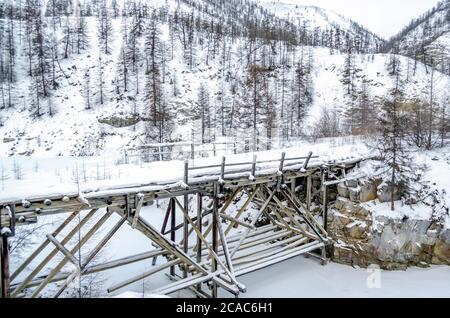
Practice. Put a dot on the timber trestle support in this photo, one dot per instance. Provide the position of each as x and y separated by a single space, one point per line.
237 218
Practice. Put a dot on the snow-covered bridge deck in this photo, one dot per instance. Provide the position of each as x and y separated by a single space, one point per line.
218 244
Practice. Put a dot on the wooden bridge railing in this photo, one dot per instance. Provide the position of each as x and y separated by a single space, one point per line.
226 245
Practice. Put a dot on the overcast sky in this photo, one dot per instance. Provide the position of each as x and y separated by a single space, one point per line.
384 17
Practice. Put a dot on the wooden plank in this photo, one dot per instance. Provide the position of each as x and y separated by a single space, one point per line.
139 277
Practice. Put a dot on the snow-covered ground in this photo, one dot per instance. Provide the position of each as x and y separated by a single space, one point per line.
68 175
304 278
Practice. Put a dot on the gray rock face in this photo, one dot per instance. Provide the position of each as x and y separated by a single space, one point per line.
368 191
120 122
359 190
384 194
354 194
391 243
442 249
343 190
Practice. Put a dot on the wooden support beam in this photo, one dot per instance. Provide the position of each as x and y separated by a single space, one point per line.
63 262
65 251
310 224
244 236
99 268
289 244
170 246
139 277
243 208
199 293
223 210
186 208
306 211
4 264
164 226
52 254
199 241
172 227
91 256
212 249
43 245
139 203
308 192
278 258
236 221
214 238
183 284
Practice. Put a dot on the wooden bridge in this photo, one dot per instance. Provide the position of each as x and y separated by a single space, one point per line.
210 249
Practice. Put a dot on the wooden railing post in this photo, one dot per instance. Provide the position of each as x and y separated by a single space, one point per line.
4 267
214 237
172 228
186 209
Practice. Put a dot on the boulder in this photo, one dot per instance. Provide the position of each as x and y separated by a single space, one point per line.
441 255
121 122
343 190
357 230
352 183
354 194
368 191
384 194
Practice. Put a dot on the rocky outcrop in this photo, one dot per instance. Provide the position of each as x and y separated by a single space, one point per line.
8 140
363 239
441 252
363 190
120 122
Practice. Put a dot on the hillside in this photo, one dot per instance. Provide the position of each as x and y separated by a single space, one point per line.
90 80
427 38
320 19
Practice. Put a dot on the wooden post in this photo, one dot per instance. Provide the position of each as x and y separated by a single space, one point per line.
325 201
199 226
280 170
186 208
172 228
308 192
214 237
305 164
5 267
214 149
222 169
192 151
254 166
293 184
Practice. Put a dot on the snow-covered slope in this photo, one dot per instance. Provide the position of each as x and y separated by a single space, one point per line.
222 61
427 38
319 18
